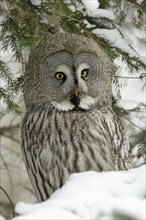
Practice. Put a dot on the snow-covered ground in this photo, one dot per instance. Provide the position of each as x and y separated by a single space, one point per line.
93 195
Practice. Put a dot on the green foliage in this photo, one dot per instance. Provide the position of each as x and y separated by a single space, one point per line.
26 24
11 87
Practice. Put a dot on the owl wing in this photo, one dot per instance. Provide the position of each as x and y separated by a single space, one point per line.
121 145
37 154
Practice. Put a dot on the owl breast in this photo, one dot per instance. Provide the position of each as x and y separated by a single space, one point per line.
56 144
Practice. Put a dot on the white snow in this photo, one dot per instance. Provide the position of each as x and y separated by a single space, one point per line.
103 13
36 2
140 2
122 41
135 93
93 10
93 195
91 5
113 36
70 6
2 218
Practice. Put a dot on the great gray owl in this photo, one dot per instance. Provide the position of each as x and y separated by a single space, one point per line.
69 125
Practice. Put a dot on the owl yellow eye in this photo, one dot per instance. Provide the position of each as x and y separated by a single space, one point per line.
60 76
84 73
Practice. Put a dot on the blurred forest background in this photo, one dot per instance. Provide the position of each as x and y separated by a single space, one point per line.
117 26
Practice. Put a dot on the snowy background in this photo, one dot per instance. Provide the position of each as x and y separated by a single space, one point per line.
90 195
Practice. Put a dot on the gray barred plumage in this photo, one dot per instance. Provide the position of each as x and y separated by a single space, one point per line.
70 126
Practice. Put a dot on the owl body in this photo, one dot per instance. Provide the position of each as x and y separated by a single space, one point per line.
69 125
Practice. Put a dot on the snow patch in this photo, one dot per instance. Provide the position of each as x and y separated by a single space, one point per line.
91 6
103 13
140 2
84 195
93 10
114 37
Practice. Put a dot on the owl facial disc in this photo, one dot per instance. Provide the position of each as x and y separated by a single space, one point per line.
73 84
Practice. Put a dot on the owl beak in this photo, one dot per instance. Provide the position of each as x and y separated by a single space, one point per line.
75 100
76 93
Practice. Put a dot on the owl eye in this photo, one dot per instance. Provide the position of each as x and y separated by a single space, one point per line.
60 76
84 73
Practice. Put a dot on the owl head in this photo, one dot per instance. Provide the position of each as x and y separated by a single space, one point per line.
68 72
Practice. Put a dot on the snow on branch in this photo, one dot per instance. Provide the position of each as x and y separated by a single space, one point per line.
115 38
103 24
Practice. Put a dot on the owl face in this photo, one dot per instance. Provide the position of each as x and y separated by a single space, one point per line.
72 81
68 72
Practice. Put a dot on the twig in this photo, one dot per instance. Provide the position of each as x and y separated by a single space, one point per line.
129 77
13 211
8 128
134 124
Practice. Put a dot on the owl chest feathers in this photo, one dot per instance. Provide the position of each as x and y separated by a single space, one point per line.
56 144
82 141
